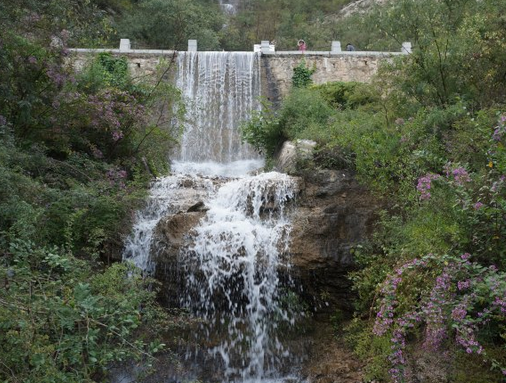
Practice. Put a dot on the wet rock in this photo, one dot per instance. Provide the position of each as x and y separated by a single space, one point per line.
334 213
199 206
172 235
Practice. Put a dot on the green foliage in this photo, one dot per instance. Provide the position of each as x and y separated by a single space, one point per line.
302 110
63 322
347 95
74 156
263 131
283 21
67 21
169 24
373 350
106 70
458 50
302 75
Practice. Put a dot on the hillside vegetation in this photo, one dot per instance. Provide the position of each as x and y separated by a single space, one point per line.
428 136
77 152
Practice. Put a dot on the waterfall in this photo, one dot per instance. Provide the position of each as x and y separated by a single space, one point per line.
221 89
229 7
232 262
232 273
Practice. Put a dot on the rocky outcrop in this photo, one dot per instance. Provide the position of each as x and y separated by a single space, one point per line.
172 235
292 153
334 213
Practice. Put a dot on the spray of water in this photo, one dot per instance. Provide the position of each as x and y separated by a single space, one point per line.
232 270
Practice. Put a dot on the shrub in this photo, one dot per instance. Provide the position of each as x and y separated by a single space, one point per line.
61 321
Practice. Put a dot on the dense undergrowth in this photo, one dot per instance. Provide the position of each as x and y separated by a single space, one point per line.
428 137
77 151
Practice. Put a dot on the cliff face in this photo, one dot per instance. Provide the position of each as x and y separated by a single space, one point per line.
333 214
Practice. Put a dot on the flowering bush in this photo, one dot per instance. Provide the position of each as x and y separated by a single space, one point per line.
463 298
449 300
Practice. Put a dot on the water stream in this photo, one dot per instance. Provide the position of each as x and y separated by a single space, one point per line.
236 266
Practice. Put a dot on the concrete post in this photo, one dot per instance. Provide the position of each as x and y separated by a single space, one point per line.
192 45
124 45
336 47
406 47
264 46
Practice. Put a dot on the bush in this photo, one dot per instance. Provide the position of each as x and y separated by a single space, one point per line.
62 321
344 95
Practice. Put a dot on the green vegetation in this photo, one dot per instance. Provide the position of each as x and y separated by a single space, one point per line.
168 24
428 137
285 22
76 154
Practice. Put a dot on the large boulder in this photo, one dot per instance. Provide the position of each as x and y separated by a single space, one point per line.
334 213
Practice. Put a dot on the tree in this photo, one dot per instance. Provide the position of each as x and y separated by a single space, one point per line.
169 24
458 49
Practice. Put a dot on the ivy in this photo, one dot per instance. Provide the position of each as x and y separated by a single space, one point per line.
302 75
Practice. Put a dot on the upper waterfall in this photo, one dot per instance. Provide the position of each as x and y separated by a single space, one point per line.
220 89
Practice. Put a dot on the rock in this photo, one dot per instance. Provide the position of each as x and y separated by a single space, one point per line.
199 206
334 213
292 153
172 235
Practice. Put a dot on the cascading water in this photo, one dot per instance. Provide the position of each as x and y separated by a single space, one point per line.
232 263
221 89
229 7
233 269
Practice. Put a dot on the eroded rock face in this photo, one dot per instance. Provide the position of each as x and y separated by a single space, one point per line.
334 213
172 235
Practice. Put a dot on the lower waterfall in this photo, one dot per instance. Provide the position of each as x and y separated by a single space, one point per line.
232 269
235 267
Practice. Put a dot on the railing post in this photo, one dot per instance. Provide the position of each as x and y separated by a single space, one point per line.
264 46
406 47
336 47
192 45
124 45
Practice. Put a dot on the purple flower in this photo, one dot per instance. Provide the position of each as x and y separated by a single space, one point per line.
3 120
459 313
460 175
478 205
117 135
425 184
463 285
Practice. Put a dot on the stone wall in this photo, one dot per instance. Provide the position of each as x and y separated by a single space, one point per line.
346 66
142 63
277 67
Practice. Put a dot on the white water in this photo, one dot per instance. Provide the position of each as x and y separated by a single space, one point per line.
233 273
232 266
220 89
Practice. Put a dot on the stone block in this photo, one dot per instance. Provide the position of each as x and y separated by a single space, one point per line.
124 45
192 45
336 47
